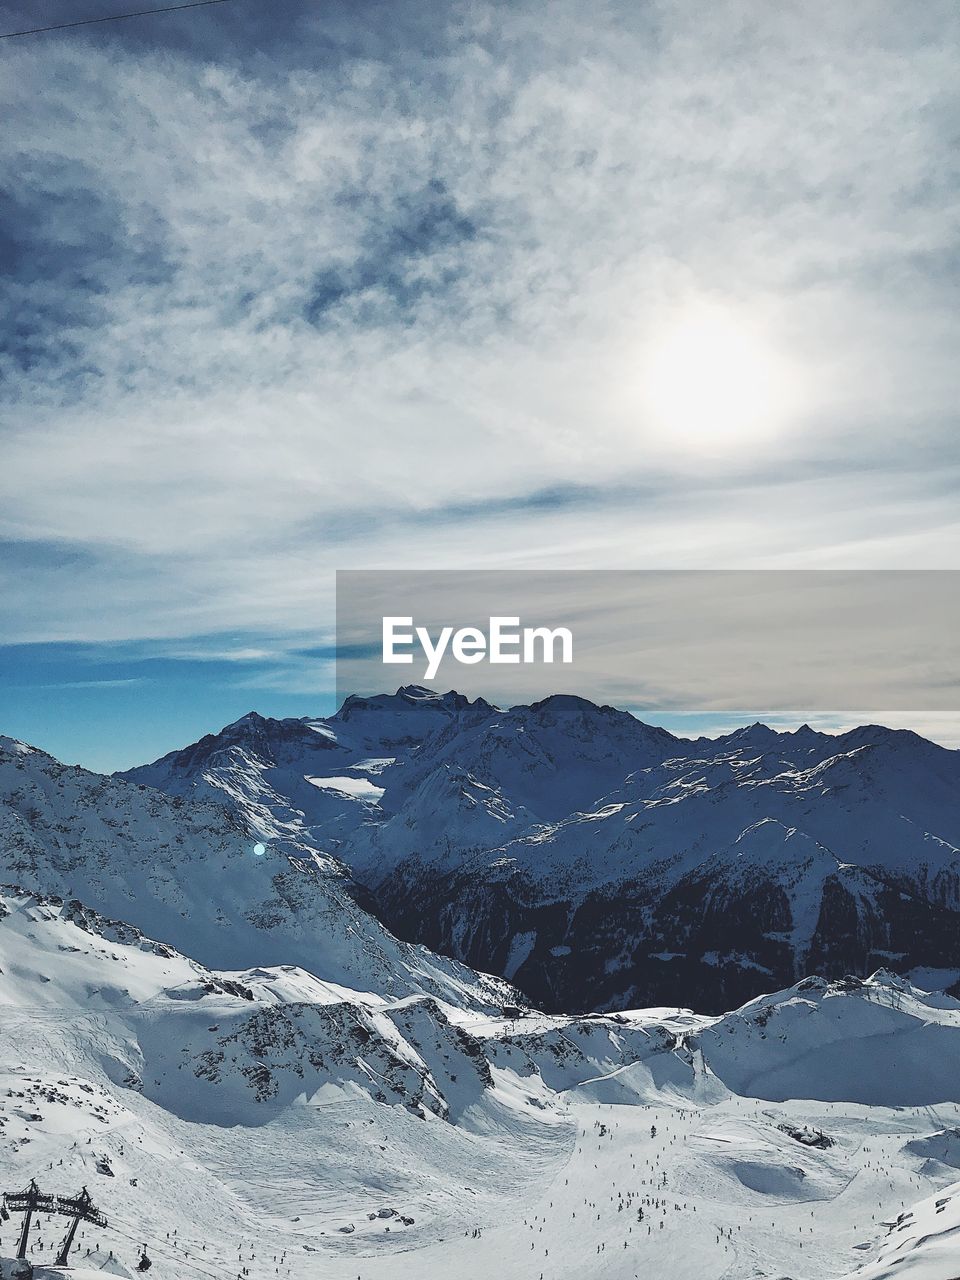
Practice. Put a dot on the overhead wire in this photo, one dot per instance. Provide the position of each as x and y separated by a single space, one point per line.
113 17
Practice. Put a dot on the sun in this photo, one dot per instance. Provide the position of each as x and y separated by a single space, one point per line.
712 380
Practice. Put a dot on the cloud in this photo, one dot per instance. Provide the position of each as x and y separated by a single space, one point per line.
90 684
372 286
415 256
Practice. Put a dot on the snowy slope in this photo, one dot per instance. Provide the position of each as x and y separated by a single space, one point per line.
599 862
132 1069
221 1046
186 872
272 1121
921 1243
312 780
797 1043
252 1075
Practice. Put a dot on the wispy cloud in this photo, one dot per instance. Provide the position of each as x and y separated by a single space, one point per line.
90 684
379 294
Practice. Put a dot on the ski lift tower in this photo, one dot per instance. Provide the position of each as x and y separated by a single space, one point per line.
28 1202
82 1209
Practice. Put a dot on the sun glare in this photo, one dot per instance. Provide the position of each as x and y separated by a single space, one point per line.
711 380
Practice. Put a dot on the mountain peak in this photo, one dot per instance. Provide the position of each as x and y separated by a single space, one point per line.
252 717
420 693
13 746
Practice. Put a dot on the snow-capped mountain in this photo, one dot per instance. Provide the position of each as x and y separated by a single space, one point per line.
598 862
188 872
252 1076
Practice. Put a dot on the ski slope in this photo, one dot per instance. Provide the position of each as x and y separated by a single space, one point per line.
342 1133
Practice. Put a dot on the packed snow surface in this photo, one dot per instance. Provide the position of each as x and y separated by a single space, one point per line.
269 1120
361 788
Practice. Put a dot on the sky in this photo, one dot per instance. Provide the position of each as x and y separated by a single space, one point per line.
295 287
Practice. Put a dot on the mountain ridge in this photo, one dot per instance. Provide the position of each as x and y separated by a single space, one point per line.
569 846
333 1100
186 870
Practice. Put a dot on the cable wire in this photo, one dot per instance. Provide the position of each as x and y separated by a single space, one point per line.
115 17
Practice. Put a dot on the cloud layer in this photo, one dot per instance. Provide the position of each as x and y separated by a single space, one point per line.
373 286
